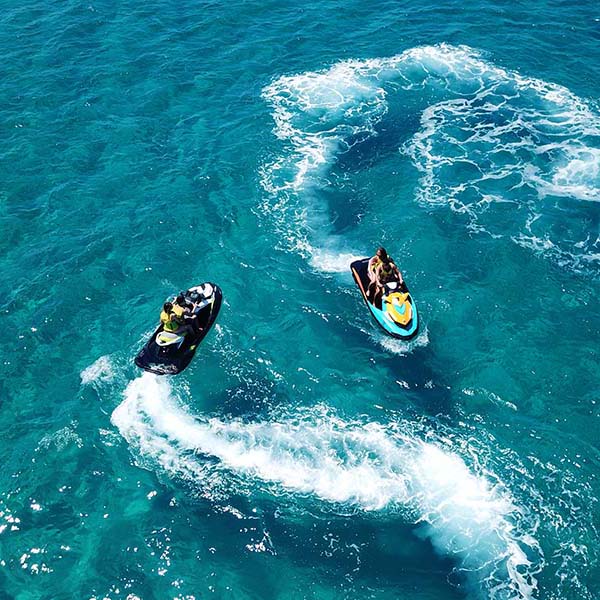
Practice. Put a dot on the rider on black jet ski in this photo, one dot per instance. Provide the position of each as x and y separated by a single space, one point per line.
178 317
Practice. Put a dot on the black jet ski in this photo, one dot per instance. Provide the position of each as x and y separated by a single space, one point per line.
397 315
168 353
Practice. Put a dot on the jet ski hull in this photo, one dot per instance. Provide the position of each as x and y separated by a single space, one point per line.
172 359
383 316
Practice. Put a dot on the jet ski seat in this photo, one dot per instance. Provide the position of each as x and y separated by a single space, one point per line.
168 338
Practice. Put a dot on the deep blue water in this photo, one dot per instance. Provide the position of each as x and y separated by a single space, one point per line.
151 146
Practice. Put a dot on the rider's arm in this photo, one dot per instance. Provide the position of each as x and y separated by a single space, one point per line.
399 274
370 270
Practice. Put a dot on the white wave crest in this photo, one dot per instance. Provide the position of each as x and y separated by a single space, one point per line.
367 465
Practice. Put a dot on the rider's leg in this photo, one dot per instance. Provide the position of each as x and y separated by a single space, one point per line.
377 296
371 289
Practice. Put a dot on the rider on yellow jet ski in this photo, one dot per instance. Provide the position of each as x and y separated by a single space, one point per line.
381 270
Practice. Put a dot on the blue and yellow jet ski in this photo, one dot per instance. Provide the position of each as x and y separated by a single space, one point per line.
168 353
397 315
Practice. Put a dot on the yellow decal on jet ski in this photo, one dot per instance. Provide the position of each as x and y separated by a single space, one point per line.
398 307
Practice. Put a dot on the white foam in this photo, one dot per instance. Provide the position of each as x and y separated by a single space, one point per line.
365 464
579 177
331 261
100 370
400 347
486 126
316 115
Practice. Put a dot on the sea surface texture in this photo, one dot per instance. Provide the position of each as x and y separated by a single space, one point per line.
149 146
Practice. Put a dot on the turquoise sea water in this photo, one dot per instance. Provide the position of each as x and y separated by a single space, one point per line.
150 146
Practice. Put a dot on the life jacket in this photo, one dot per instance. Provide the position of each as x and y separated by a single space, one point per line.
387 274
178 311
169 324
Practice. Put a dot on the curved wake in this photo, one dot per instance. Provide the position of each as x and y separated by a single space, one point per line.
366 465
509 152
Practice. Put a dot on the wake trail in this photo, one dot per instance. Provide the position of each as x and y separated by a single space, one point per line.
493 145
367 465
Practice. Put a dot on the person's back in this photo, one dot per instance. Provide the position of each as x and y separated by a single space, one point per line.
387 271
375 262
372 268
168 318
